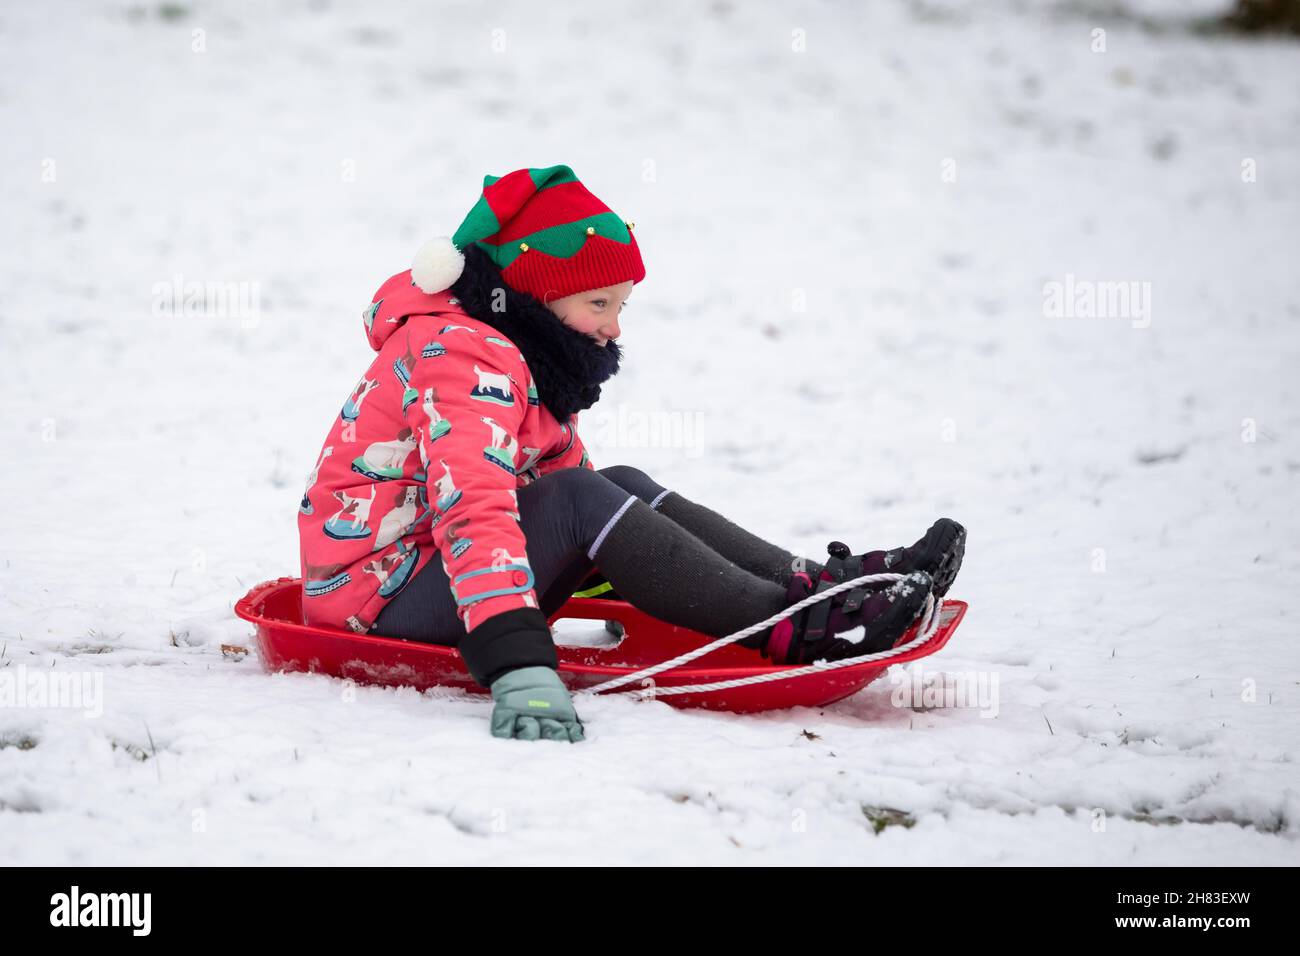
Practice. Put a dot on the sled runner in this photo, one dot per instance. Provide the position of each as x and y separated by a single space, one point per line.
286 644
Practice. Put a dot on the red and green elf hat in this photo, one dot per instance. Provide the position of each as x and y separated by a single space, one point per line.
548 234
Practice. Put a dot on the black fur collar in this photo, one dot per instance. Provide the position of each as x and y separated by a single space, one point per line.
567 365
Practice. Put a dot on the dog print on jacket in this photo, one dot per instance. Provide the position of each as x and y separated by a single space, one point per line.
423 462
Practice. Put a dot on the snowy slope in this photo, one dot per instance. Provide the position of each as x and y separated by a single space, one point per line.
867 226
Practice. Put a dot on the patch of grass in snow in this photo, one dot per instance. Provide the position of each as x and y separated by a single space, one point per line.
1275 825
136 751
881 817
1142 813
1167 820
20 741
168 12
927 12
1156 456
95 642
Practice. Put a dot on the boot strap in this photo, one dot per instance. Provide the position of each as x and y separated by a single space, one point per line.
817 616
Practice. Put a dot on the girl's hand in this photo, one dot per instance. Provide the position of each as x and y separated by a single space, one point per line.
533 704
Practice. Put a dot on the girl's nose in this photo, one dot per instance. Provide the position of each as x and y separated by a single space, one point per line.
611 331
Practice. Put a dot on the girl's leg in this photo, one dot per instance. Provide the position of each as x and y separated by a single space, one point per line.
751 552
576 518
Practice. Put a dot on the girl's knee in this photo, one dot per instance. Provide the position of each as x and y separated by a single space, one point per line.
571 480
572 486
564 510
632 480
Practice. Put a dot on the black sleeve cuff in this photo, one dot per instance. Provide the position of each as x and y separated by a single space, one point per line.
505 641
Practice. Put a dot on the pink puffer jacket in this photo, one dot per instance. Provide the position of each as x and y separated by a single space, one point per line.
423 460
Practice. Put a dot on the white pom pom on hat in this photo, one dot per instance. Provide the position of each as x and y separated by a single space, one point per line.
437 265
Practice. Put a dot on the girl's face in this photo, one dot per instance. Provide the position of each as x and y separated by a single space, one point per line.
594 312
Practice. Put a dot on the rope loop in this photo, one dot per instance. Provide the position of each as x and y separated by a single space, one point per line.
930 624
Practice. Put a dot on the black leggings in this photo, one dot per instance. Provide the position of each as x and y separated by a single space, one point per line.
670 557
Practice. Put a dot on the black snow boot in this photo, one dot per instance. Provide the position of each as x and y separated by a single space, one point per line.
938 554
885 612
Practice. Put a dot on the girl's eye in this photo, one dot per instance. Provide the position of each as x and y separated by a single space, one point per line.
599 302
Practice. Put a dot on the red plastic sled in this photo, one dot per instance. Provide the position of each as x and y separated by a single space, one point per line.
286 644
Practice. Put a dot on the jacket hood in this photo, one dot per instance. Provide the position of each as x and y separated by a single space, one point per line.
397 300
566 365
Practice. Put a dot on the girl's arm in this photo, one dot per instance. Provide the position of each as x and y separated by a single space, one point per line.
467 411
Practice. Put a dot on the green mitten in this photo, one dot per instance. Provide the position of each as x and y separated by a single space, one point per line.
531 704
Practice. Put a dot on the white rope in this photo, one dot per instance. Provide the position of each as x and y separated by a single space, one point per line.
930 624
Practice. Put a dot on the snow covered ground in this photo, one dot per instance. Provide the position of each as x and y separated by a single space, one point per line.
859 222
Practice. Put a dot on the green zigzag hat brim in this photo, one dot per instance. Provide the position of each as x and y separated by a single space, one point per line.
562 241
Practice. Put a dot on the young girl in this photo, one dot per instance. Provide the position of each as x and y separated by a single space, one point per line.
459 442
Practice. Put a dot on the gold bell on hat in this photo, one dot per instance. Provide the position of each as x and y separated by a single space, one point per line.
631 225
523 247
591 230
